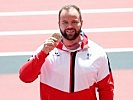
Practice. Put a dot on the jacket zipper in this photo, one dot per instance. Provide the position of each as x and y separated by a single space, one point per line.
72 71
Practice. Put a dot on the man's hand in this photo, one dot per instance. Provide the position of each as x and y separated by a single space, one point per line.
51 43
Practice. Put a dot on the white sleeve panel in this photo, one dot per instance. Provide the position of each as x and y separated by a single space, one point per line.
103 69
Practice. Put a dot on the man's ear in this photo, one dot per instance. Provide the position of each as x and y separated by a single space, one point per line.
81 21
59 23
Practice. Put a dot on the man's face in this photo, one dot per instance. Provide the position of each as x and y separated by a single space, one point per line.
70 24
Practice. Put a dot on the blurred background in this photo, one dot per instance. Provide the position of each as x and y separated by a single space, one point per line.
25 24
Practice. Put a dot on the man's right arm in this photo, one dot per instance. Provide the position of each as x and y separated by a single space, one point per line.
31 69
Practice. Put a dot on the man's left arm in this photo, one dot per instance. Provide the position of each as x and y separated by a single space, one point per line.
105 84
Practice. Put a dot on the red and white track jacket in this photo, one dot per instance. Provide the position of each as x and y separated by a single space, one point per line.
71 74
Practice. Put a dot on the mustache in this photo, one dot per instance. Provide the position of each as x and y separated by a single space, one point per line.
70 29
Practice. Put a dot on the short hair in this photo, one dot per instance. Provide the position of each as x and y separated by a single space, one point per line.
67 7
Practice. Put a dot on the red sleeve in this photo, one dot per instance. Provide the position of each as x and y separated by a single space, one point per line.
31 69
106 88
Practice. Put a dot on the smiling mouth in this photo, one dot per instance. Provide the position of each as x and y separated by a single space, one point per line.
69 31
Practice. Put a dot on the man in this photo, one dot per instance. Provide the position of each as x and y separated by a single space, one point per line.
72 67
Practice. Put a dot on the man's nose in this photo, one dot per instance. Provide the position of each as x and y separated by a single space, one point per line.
69 25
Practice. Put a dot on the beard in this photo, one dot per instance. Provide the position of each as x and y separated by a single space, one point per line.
69 36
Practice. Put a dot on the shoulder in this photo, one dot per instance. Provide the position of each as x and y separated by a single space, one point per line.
95 48
95 45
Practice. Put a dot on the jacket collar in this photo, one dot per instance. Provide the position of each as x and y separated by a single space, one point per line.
83 44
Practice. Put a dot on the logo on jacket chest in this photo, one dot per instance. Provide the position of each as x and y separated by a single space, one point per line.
88 55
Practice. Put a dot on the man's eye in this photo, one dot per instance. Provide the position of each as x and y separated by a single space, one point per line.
64 23
75 22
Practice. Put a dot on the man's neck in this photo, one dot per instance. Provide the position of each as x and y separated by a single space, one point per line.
72 45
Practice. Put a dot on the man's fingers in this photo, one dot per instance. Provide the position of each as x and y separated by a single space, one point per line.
57 36
50 44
